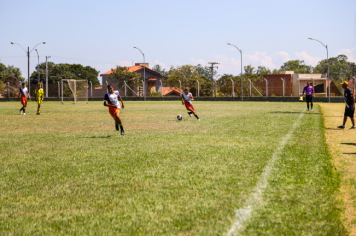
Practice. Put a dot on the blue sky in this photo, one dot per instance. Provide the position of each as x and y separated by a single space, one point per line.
102 34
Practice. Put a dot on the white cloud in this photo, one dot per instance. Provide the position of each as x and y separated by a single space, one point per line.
282 56
309 60
350 53
156 62
259 59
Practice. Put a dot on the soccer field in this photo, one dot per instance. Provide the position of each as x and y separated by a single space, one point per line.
251 168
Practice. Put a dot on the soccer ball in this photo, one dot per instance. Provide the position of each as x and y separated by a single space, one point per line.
179 117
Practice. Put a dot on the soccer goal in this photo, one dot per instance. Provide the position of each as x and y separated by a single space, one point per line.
74 90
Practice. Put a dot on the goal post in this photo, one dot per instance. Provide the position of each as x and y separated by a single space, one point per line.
74 90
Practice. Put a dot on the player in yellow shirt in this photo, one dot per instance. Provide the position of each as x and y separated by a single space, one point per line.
39 94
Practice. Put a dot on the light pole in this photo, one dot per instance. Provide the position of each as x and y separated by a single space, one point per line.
242 85
28 60
327 56
144 74
38 66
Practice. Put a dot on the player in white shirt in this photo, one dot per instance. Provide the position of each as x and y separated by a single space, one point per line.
111 100
187 99
23 94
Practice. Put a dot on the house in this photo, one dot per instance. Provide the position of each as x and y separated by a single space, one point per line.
153 81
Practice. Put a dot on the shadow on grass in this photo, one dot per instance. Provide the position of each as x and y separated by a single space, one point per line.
351 153
333 129
295 112
109 136
352 144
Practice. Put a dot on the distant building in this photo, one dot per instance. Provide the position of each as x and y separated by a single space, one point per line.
153 81
272 85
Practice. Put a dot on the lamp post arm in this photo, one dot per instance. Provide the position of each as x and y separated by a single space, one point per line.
35 47
20 46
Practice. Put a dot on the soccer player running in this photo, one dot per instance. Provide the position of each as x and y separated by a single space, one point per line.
309 91
23 94
349 105
187 99
39 95
111 100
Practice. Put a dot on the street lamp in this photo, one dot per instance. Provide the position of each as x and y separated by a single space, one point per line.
327 56
28 60
38 66
144 74
242 85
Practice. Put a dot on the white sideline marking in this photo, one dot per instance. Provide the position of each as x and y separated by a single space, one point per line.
255 200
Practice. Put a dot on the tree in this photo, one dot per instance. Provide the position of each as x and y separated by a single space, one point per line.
57 72
298 66
187 74
339 68
158 68
262 70
120 75
205 71
249 70
10 71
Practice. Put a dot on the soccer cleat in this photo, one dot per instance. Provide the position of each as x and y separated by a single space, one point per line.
20 112
38 113
353 127
198 119
341 127
117 127
311 110
24 114
122 132
190 115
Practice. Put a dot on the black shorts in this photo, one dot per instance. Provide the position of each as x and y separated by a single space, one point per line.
309 98
349 112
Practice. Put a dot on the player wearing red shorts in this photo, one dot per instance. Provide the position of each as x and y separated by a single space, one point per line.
23 94
187 99
111 100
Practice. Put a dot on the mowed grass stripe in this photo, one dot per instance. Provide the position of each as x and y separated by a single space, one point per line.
69 172
301 196
255 200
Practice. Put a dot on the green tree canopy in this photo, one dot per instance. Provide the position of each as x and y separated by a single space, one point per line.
56 72
13 71
298 66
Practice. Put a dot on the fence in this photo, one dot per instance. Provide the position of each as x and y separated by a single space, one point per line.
265 88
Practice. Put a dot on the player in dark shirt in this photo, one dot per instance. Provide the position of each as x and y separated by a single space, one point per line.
349 105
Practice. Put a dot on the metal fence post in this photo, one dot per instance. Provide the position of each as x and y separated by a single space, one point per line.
59 90
250 88
91 89
198 87
266 87
180 88
283 86
298 87
125 88
232 83
161 88
8 90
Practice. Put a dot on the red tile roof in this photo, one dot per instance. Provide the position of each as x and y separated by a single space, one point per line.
136 69
169 90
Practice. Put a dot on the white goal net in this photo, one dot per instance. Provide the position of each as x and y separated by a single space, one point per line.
74 90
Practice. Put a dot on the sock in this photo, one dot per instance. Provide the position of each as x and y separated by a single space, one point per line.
308 107
122 127
24 110
311 106
21 109
190 112
196 116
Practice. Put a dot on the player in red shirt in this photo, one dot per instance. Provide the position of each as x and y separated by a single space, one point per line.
23 94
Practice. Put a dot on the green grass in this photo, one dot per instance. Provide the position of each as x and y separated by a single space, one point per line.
69 171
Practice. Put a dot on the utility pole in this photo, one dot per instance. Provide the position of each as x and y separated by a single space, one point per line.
47 75
212 74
